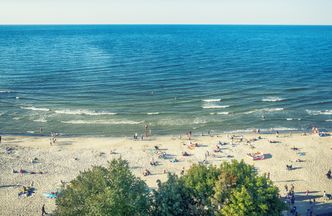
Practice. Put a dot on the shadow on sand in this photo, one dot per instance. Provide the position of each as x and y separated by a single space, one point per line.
320 208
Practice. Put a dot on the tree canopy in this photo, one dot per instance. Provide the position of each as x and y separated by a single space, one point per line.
229 189
105 191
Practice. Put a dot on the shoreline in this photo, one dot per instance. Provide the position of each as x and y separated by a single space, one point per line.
69 155
205 133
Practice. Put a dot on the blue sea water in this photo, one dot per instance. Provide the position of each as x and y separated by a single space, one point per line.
112 79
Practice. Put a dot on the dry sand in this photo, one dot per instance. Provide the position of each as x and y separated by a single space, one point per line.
70 155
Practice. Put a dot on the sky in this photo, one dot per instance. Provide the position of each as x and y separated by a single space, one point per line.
300 12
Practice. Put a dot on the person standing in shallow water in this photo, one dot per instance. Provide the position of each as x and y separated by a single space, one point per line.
146 126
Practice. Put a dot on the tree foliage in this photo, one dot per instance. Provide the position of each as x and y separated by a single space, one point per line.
200 181
172 198
105 191
231 189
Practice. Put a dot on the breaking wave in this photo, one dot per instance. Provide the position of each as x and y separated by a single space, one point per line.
272 99
102 122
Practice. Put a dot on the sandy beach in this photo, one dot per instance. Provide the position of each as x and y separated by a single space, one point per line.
69 155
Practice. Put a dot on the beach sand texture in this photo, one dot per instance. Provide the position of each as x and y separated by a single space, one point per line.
70 155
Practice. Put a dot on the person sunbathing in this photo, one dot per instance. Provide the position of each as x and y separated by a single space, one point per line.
185 153
289 167
299 160
146 172
153 162
174 160
329 174
294 148
217 149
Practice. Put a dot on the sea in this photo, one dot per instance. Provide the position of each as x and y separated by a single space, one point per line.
111 80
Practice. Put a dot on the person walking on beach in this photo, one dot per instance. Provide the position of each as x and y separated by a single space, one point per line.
0 139
43 210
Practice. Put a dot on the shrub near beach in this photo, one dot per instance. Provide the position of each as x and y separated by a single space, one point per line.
230 189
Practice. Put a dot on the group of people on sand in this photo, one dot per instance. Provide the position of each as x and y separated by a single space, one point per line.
26 191
315 130
147 132
53 138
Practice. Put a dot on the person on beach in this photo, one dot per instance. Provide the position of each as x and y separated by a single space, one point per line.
146 172
182 171
286 188
328 174
146 126
0 139
189 135
43 210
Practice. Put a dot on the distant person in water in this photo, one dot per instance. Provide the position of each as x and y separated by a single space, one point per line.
146 126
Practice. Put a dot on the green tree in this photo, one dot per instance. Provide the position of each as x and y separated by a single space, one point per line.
241 203
105 191
232 175
239 189
200 181
172 198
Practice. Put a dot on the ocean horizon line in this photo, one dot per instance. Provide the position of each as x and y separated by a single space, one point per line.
158 24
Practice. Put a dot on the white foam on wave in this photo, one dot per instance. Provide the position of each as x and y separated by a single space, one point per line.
212 100
291 119
319 112
272 99
102 122
42 120
31 132
5 91
219 113
280 129
153 113
82 112
215 106
199 121
180 121
36 108
329 120
265 110
272 109
16 118
269 130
